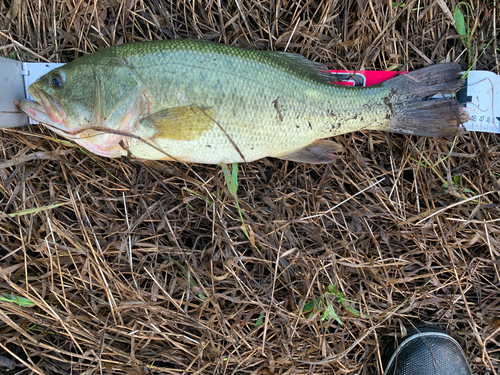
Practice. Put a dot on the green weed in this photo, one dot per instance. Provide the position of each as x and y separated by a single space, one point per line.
232 184
260 320
21 301
462 27
329 311
186 200
457 185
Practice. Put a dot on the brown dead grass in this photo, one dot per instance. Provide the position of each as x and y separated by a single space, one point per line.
145 267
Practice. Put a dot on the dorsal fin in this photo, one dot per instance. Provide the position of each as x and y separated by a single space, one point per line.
295 63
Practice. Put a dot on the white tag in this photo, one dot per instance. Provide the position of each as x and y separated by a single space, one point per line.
482 98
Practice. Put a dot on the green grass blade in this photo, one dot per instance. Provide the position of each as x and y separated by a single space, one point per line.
21 301
34 210
231 178
232 184
235 177
208 201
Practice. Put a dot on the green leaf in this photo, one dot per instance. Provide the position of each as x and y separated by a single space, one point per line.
459 20
260 320
332 289
15 55
231 179
232 185
309 306
352 310
21 301
201 296
330 313
235 177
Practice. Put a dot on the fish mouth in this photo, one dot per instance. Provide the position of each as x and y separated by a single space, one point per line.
46 109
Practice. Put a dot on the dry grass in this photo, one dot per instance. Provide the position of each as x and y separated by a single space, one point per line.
144 268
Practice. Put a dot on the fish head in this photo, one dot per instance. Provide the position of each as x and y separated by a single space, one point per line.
90 102
61 99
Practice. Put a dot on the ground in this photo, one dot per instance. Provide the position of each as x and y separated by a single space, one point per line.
132 267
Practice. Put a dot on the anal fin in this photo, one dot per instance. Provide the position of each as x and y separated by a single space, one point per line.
319 152
186 123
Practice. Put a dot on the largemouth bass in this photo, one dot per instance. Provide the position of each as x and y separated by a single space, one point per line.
204 102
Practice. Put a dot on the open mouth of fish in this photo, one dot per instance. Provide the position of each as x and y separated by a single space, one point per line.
48 110
45 109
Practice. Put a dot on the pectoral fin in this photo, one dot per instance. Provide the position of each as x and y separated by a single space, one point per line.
187 123
319 152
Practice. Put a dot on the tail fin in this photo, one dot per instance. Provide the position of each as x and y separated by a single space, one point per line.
412 110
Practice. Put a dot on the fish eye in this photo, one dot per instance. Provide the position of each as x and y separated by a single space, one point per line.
56 80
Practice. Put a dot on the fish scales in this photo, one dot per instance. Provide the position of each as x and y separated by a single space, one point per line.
264 107
198 101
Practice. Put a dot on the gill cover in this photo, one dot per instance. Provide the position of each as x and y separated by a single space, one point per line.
117 91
